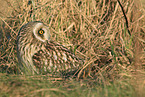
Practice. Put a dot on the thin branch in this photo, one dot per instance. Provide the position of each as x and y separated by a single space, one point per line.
125 17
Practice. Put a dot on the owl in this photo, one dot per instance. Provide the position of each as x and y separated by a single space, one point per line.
37 53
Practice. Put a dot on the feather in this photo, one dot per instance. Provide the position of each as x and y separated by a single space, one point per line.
55 57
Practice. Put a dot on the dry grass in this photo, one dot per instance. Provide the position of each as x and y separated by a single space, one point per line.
93 29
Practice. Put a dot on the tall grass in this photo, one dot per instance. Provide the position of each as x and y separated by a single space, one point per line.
94 30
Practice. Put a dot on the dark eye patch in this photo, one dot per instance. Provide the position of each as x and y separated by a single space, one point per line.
41 32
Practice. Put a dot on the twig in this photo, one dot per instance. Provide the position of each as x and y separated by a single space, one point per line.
8 25
125 17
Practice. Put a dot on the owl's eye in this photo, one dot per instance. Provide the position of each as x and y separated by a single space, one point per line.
41 32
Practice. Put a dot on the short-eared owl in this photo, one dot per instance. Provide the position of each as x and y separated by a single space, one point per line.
37 53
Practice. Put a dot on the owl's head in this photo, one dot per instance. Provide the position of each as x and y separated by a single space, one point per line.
31 38
35 31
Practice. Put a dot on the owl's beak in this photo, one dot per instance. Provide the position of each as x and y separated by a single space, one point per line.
48 38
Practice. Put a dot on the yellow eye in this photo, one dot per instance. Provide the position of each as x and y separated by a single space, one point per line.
41 31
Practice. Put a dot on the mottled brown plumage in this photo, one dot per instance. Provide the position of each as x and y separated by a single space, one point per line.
37 53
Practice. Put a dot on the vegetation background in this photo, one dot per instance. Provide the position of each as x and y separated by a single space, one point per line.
95 30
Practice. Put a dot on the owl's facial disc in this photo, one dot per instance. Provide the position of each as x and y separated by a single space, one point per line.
41 32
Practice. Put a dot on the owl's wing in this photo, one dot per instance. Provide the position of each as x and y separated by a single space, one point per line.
55 57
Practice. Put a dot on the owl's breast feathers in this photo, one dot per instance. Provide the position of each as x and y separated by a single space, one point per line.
55 57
